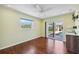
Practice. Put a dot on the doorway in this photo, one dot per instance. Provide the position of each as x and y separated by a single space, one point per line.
54 30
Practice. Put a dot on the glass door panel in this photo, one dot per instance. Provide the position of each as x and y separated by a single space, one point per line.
55 30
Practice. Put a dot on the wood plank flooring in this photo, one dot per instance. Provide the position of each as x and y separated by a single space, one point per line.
37 46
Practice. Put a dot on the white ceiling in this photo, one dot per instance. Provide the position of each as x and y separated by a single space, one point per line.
44 10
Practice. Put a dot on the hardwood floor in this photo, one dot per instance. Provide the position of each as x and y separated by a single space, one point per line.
37 46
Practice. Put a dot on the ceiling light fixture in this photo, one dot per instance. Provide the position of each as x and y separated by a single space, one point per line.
39 8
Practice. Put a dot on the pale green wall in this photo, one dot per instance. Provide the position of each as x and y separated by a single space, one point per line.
68 22
12 33
1 27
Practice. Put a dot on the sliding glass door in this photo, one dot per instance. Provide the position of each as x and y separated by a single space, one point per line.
54 30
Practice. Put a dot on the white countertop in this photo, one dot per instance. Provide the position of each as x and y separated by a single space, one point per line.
72 34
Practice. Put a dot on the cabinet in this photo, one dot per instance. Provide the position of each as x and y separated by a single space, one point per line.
72 43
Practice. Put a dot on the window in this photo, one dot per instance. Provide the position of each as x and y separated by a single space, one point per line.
26 23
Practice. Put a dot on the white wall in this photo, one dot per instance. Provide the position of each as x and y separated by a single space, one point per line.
77 24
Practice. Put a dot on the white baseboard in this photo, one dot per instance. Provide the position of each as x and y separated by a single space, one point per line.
15 44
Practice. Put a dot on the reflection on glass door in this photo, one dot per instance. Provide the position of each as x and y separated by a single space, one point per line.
55 30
